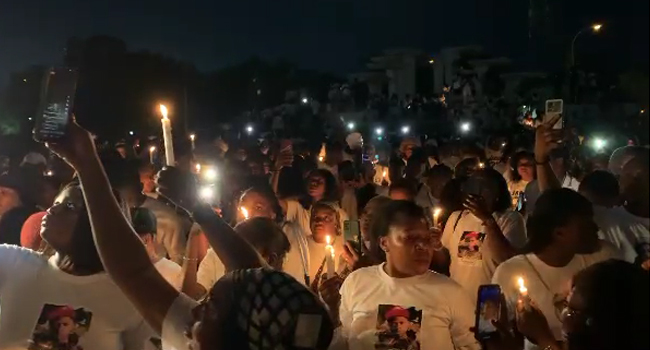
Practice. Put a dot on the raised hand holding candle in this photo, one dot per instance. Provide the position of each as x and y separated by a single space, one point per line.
329 259
167 136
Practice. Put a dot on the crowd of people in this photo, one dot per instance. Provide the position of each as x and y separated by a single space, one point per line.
352 246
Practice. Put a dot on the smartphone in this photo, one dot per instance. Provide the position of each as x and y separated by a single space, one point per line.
521 202
554 108
488 308
57 99
352 230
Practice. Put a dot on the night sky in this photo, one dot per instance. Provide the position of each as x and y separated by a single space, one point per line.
324 34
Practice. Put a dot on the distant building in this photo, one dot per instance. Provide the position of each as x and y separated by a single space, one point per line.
395 72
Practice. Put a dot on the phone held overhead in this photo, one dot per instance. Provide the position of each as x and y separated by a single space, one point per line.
56 104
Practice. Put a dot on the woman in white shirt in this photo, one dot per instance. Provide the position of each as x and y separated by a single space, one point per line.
483 235
522 172
35 288
400 304
222 321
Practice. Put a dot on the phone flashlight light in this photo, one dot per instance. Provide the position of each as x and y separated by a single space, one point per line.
210 174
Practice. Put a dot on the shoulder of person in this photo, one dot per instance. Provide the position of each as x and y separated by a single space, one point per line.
509 216
11 255
442 281
506 269
607 251
362 275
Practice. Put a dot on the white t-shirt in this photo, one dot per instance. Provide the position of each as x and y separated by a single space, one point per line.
37 299
551 300
471 264
532 190
429 310
170 270
627 232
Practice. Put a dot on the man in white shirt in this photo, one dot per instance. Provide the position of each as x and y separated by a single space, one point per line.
625 231
562 240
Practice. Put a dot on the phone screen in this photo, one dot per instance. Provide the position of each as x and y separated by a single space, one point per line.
553 108
57 100
488 309
351 230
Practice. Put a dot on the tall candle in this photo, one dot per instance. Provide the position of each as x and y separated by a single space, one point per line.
192 138
167 137
152 149
329 259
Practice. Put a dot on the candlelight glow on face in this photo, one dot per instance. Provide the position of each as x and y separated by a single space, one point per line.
163 111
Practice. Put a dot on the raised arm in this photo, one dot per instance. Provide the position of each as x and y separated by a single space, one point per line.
122 253
546 140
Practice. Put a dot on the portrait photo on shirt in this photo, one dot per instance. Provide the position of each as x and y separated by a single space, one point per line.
60 327
398 328
469 246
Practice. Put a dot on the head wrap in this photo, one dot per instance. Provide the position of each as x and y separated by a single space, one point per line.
274 311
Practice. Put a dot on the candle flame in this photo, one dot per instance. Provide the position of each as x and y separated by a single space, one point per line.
436 212
152 149
383 174
198 167
328 240
320 159
164 111
192 137
522 287
244 212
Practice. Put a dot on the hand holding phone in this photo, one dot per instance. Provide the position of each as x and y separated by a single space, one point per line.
57 100
554 108
488 310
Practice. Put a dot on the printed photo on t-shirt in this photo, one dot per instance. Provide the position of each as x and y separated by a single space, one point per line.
398 328
60 327
469 246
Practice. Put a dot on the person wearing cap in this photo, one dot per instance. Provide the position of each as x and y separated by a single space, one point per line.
229 317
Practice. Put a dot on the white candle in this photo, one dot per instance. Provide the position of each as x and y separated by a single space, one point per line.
167 137
152 149
436 215
523 293
192 138
329 259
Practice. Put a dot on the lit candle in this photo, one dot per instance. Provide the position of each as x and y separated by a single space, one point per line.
383 175
192 138
481 165
320 159
244 212
523 293
197 167
329 258
152 149
167 136
436 215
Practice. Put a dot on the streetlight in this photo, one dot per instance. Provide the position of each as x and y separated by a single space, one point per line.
305 100
596 27
465 127
406 129
379 131
249 129
131 133
350 126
